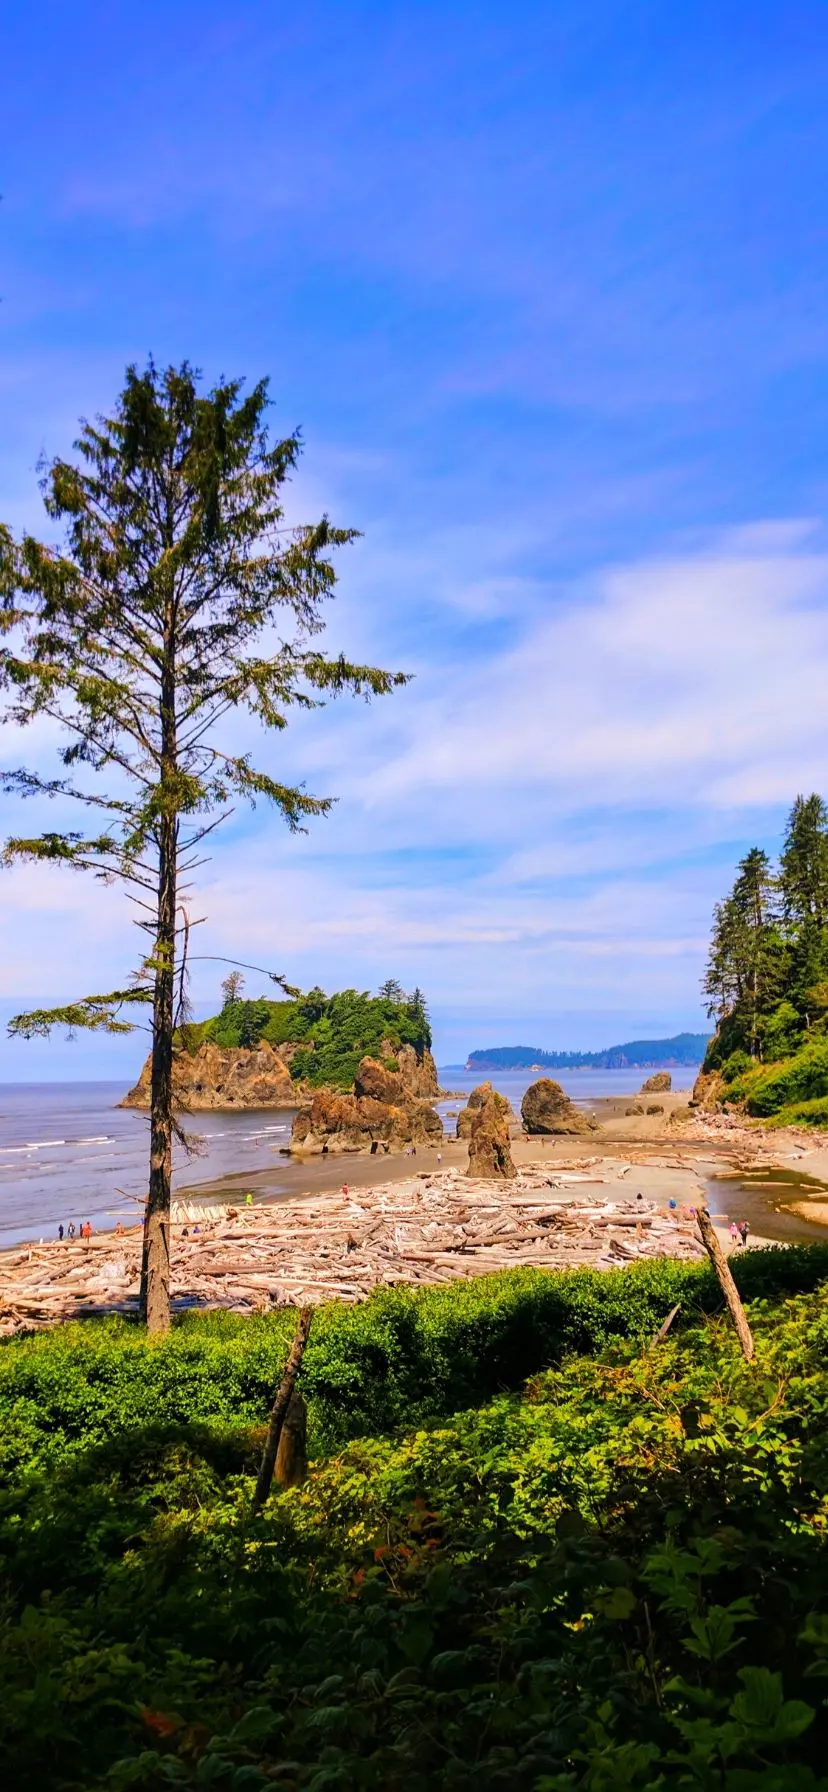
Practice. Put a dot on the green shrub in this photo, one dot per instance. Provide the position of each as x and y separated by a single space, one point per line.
802 1113
736 1065
803 1078
616 1583
402 1358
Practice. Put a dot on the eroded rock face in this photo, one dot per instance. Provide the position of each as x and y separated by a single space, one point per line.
489 1153
374 1080
419 1074
477 1099
333 1122
546 1109
660 1084
223 1077
708 1089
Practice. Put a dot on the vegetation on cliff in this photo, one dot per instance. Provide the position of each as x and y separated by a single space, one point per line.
615 1576
331 1034
767 976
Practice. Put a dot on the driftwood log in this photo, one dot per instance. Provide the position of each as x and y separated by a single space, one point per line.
281 1407
429 1228
726 1283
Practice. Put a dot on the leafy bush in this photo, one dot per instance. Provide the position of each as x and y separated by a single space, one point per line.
798 1079
402 1358
780 1032
736 1065
802 1113
617 1583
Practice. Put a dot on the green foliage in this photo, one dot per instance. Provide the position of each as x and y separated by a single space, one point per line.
767 976
798 1079
779 1033
802 1113
736 1065
403 1357
616 1582
748 959
332 1032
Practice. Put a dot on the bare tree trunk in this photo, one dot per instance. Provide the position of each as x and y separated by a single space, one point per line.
279 1409
155 1272
726 1282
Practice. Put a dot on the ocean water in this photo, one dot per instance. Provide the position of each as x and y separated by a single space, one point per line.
68 1152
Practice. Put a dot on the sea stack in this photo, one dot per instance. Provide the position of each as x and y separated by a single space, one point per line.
545 1108
489 1153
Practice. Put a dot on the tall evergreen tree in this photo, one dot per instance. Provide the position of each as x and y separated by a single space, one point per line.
803 864
391 990
745 975
803 878
177 598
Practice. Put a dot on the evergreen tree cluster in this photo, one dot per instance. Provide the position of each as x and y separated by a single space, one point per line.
330 1034
766 981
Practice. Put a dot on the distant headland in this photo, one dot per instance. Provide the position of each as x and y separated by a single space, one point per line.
637 1054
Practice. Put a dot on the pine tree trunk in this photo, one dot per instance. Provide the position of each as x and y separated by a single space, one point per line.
155 1272
155 1278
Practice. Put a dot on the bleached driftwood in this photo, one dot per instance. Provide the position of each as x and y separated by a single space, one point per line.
430 1228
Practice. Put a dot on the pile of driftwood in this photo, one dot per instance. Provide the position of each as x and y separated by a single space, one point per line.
427 1229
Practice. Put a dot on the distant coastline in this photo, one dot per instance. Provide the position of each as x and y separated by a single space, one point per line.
635 1054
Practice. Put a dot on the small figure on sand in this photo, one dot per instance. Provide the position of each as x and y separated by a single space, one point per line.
744 1229
71 1229
60 1232
734 1232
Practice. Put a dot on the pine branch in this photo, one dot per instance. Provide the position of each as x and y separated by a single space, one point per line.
93 1013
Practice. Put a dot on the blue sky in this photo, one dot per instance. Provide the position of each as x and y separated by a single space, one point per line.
545 288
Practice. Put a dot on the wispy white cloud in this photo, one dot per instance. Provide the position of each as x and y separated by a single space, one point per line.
550 823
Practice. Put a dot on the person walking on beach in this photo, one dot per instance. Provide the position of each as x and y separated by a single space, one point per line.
744 1229
60 1233
734 1232
71 1229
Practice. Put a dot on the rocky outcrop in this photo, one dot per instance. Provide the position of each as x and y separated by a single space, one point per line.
708 1090
660 1084
223 1077
374 1080
546 1109
379 1115
489 1153
417 1069
477 1099
217 1077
